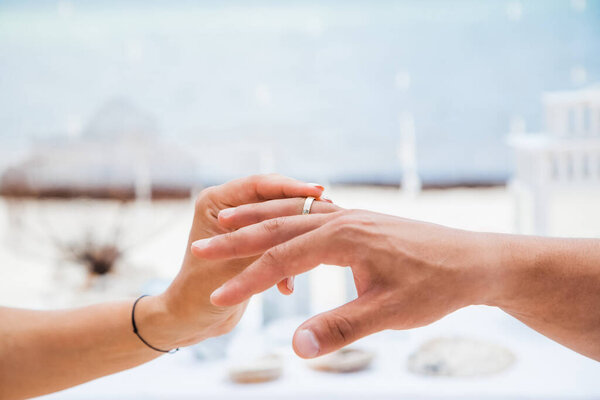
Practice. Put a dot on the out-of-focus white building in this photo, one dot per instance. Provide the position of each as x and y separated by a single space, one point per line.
118 153
565 157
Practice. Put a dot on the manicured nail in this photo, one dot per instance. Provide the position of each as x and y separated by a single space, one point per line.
306 344
290 283
317 186
327 199
217 292
226 213
201 244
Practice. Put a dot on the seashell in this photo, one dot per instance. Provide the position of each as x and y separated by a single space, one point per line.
459 357
263 369
343 360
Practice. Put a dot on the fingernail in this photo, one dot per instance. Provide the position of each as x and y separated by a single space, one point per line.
290 283
306 344
226 213
217 292
327 199
317 186
201 244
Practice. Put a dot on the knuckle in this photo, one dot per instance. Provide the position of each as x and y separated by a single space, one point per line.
339 328
336 234
273 265
351 212
355 222
344 227
354 216
273 225
346 218
204 196
348 232
229 239
270 258
256 181
257 178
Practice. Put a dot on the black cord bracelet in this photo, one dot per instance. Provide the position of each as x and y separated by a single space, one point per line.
135 329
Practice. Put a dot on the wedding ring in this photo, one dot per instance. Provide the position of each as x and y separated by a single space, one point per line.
307 205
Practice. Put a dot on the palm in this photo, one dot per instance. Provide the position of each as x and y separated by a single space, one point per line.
198 278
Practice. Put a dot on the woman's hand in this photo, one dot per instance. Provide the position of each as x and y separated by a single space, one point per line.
50 350
409 274
184 315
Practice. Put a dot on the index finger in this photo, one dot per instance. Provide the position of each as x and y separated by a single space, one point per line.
255 239
290 258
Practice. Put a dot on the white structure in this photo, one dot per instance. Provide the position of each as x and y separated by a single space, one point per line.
565 157
120 147
407 153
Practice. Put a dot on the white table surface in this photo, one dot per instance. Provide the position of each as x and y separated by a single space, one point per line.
543 370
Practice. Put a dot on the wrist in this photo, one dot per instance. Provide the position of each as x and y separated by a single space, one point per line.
487 260
157 324
509 266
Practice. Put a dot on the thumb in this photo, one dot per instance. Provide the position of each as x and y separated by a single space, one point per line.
337 328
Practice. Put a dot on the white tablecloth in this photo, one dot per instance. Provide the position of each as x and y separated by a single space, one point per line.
543 370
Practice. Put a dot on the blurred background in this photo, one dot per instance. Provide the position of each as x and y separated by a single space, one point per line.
482 115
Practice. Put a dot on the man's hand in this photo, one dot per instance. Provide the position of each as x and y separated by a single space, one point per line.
184 315
409 273
403 280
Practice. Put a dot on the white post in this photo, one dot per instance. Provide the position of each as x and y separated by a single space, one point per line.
595 120
540 211
407 152
541 194
516 187
550 118
143 181
594 165
562 166
579 119
578 167
561 119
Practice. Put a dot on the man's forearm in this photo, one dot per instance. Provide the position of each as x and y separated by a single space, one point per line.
46 351
552 285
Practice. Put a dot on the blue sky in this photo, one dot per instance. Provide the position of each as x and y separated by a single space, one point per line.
323 82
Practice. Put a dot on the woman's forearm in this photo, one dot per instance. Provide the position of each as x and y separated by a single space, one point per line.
553 286
46 351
